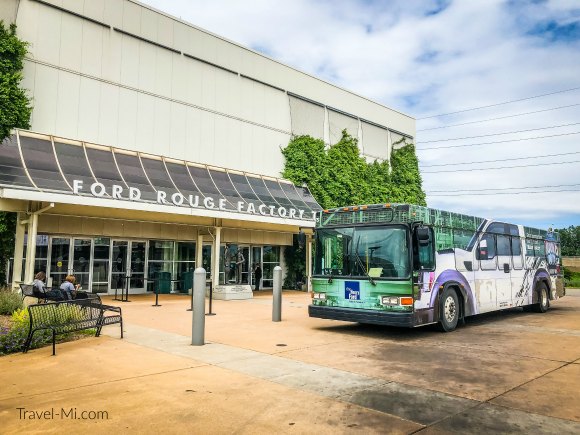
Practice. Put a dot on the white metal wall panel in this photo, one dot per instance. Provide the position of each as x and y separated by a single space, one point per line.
145 124
165 30
112 55
68 105
207 139
45 99
190 150
396 138
179 82
163 62
27 23
177 134
338 122
127 119
72 5
46 45
306 118
132 17
375 141
193 91
113 13
208 86
147 56
94 9
108 114
89 109
71 40
148 24
130 61
276 109
92 49
162 127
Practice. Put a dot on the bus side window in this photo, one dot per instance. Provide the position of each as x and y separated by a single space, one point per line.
486 252
517 262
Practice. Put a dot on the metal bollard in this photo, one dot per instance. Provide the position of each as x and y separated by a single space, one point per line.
198 312
277 293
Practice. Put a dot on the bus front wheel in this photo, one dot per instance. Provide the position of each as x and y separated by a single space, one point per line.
543 300
448 310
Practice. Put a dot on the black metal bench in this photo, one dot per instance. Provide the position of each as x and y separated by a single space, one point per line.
70 316
31 291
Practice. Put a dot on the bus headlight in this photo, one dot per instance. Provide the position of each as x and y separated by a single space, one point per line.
389 300
321 296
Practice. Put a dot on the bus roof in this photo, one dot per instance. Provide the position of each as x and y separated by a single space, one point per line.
407 213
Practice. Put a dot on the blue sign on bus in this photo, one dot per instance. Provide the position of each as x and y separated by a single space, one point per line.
352 290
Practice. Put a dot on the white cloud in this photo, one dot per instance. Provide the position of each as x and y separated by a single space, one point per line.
470 54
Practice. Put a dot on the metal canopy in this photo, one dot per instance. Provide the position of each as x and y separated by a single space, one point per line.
48 164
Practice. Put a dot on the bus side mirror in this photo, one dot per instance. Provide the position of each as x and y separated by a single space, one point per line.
423 236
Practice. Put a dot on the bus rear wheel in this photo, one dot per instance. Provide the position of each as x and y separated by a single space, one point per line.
543 300
448 310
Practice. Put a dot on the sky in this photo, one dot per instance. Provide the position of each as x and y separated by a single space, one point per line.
436 60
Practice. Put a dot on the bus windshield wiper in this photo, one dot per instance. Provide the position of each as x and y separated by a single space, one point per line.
361 264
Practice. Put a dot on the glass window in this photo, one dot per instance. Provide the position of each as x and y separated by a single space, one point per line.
160 250
271 259
185 251
503 245
487 249
380 251
516 246
539 248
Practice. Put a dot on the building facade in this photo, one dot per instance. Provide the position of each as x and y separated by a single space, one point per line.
155 148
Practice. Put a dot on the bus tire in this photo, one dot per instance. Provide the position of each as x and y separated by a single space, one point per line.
448 310
543 300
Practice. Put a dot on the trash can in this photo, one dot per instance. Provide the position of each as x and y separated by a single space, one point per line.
164 282
186 281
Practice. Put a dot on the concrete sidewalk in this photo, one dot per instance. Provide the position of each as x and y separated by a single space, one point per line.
509 372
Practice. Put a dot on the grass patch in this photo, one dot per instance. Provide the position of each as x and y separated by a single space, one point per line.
9 301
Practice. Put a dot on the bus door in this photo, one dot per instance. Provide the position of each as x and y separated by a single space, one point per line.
517 273
503 280
487 273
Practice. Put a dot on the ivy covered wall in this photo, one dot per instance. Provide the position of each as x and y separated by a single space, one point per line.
15 110
338 176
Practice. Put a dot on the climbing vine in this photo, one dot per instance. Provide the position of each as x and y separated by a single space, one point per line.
339 176
15 110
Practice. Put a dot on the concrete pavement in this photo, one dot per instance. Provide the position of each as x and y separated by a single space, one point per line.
508 372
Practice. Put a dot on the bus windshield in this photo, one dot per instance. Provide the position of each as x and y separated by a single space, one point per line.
376 252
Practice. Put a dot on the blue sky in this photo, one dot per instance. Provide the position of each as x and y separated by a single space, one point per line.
432 57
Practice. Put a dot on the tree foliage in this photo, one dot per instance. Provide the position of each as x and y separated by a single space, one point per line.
339 176
15 110
570 241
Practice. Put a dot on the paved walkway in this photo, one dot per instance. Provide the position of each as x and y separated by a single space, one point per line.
508 372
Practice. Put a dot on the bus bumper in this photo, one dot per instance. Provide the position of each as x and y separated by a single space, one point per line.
362 316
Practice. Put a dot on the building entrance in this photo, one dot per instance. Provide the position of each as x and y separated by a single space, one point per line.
128 259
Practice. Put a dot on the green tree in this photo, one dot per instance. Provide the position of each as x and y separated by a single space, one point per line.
570 241
15 110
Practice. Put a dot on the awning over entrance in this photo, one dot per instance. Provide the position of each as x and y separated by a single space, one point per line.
53 166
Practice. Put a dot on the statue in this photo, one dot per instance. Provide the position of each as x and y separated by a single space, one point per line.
239 266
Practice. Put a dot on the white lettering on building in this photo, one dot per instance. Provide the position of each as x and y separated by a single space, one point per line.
99 190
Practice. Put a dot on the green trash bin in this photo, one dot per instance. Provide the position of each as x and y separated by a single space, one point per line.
164 282
186 281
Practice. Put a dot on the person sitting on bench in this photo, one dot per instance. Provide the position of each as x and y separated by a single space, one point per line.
68 287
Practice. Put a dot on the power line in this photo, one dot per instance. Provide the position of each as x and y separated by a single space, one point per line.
501 160
512 193
501 188
500 117
497 141
500 167
498 134
499 104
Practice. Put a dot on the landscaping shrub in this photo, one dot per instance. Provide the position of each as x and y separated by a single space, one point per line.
9 301
12 338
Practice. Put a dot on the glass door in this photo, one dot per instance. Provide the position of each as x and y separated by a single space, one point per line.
81 263
101 261
246 271
206 259
256 260
59 256
119 264
137 265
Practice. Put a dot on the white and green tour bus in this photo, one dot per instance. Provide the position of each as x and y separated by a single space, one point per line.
407 265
